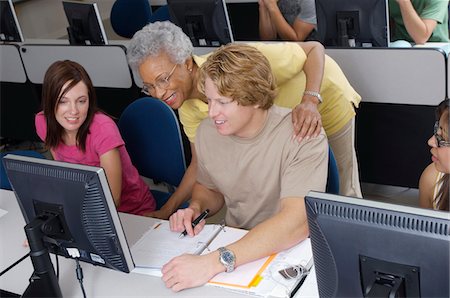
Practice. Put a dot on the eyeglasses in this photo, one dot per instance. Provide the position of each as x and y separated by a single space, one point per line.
439 139
162 82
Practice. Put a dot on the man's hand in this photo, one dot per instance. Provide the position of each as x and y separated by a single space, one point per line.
188 271
182 220
307 120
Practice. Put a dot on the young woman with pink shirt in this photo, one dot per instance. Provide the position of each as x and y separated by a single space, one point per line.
76 131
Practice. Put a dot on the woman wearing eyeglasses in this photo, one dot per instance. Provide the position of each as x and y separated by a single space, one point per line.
434 182
163 56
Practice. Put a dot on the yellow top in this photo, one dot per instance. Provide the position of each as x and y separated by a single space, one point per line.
287 61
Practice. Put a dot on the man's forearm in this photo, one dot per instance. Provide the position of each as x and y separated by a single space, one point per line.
280 232
416 27
266 28
204 198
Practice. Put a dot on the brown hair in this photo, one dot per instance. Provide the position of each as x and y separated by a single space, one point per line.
443 110
58 74
242 73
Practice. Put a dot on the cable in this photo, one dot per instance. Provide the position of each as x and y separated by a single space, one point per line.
57 266
15 263
79 272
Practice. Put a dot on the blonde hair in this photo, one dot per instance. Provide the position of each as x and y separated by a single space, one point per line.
242 73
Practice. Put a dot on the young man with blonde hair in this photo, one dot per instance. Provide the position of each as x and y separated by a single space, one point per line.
248 161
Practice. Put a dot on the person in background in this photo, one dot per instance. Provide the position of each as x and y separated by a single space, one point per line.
291 20
419 21
248 161
163 56
75 131
434 182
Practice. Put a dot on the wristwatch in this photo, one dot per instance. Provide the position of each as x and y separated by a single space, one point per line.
227 258
313 93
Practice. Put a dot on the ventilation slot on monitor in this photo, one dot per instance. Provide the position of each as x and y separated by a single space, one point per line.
22 167
384 217
101 234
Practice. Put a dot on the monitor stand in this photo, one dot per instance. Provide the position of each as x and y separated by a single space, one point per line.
380 278
347 28
43 282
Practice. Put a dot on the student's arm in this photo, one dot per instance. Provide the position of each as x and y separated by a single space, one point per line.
281 231
305 116
426 186
183 191
298 32
267 30
111 163
419 29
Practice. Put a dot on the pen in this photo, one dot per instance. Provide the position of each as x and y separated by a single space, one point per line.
196 222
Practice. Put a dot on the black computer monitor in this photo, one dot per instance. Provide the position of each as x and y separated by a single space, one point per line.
352 23
9 25
365 248
85 24
206 22
71 208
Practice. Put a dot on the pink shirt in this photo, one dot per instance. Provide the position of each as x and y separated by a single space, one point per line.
104 136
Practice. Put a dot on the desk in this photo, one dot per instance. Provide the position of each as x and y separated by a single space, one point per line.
97 281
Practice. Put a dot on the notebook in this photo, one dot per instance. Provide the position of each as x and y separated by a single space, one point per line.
260 278
159 245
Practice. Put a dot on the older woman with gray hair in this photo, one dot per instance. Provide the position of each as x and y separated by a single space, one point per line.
163 56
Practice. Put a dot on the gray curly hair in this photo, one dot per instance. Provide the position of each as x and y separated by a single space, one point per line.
156 37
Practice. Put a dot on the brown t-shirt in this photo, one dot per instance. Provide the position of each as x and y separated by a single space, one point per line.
254 174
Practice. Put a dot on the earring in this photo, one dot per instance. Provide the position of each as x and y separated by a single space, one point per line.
190 69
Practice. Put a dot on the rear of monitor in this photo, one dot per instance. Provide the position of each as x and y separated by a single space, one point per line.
9 25
85 24
206 22
69 211
366 248
350 23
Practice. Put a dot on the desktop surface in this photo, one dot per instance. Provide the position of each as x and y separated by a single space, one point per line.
98 281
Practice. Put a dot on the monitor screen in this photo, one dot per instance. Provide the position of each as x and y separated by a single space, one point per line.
78 203
365 248
350 23
9 25
206 22
85 24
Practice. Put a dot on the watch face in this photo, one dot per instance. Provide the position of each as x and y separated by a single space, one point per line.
227 257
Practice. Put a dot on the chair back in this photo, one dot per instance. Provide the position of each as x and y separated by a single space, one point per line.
152 137
161 14
129 16
4 181
333 174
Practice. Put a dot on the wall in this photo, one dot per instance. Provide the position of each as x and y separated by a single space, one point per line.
45 19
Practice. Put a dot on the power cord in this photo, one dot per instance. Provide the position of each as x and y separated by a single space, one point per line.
79 272
57 266
75 254
14 264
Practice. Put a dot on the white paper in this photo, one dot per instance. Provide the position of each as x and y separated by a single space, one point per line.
159 245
